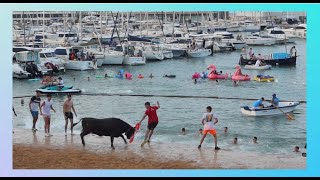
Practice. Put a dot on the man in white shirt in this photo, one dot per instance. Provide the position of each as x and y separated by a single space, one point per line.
209 126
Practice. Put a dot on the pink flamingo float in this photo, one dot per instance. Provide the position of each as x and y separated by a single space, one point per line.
213 73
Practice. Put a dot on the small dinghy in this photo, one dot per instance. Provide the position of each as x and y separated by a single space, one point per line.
266 67
267 111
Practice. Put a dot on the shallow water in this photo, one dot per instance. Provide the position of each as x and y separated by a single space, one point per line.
276 134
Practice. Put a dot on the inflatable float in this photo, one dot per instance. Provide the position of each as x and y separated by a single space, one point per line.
266 67
204 75
120 74
238 76
241 77
196 75
128 75
261 78
140 76
218 76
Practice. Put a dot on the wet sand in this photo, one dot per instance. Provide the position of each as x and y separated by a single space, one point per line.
35 151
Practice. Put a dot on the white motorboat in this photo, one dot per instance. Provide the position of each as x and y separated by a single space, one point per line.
267 111
257 40
50 60
64 52
299 31
228 38
197 53
134 60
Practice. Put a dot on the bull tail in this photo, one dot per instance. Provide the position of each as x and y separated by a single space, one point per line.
74 124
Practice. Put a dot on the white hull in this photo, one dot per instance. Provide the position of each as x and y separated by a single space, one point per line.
113 58
260 41
99 62
168 54
61 92
199 53
284 106
133 61
153 55
266 67
79 65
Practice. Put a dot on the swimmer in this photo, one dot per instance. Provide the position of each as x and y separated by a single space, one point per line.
200 131
255 140
225 130
22 102
88 78
296 149
74 79
195 81
151 76
235 140
183 131
106 76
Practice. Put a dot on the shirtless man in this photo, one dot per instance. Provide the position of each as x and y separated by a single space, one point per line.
67 106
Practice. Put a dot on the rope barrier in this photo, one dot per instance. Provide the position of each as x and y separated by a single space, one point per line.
166 96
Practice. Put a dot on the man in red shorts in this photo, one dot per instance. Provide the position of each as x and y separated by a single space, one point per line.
153 120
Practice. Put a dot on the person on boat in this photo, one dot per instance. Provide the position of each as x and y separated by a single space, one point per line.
67 107
253 57
209 126
203 43
258 103
296 149
244 52
60 83
82 56
275 100
46 108
235 140
34 106
258 63
183 131
153 120
255 140
293 51
250 53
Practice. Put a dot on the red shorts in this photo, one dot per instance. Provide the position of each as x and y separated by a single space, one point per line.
213 132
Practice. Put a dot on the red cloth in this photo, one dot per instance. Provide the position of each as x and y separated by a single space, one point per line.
152 114
136 129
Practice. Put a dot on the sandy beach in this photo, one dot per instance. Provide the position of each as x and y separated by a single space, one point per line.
35 151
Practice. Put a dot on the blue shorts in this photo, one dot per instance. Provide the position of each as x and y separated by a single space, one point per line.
34 113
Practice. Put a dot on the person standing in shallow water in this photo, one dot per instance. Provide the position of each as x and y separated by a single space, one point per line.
46 108
153 120
34 106
209 126
67 107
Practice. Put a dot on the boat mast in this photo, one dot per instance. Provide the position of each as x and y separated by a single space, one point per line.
64 27
147 14
80 24
140 26
128 24
101 25
173 20
24 30
43 36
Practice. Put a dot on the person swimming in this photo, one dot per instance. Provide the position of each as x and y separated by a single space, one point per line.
183 131
151 76
225 130
255 140
296 149
235 140
200 131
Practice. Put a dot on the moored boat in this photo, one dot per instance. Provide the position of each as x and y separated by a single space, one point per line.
199 53
283 59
